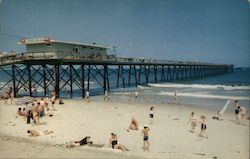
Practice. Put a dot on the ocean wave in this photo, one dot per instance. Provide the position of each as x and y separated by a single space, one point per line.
198 95
199 86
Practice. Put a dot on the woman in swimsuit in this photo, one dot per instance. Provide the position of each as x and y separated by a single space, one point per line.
113 142
203 127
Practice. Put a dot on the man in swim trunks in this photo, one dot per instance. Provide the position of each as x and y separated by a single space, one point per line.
144 133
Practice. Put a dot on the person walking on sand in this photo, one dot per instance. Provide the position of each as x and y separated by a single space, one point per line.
151 115
144 133
203 127
193 121
133 125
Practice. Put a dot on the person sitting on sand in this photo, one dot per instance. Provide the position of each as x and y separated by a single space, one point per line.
113 142
133 125
203 127
193 121
34 133
19 112
144 133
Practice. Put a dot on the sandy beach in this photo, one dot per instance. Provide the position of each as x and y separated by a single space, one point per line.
169 135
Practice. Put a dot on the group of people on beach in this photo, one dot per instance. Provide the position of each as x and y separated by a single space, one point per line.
194 122
37 108
8 95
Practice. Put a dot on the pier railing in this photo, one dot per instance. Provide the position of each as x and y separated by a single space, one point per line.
94 57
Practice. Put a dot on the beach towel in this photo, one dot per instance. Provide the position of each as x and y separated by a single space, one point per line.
224 108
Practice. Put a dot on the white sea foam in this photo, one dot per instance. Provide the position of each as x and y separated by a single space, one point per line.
199 95
199 86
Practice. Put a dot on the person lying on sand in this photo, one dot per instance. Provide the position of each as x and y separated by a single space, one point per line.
34 133
133 125
84 141
113 142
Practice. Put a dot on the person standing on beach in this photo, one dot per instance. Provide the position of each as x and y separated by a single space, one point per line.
53 101
136 95
151 115
11 97
106 96
144 133
193 121
175 97
203 127
236 111
242 114
87 96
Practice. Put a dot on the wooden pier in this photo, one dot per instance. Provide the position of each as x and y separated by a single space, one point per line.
30 72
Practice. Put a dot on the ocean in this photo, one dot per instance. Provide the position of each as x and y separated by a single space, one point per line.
211 92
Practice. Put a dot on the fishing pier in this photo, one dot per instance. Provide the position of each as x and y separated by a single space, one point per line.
61 65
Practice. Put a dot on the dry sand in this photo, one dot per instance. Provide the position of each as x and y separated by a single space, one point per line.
169 135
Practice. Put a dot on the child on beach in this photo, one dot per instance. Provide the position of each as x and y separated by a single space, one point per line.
144 133
203 127
151 115
193 121
133 125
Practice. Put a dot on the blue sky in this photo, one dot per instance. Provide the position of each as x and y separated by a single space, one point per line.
214 31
